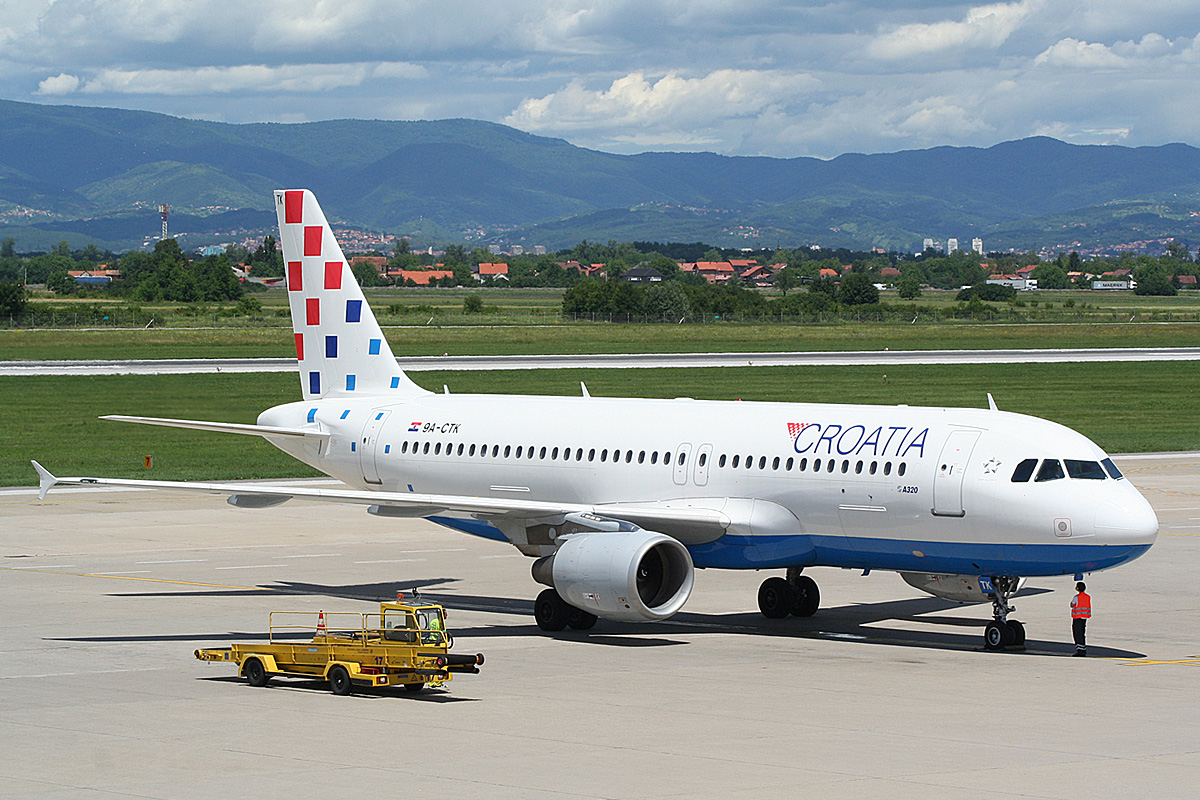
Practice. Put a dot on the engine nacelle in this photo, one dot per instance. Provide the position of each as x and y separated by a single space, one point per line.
628 577
959 588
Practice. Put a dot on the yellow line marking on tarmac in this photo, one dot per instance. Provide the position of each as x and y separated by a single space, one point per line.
1150 663
150 580
1164 533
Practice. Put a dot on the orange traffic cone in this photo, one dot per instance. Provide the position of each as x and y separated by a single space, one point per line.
321 630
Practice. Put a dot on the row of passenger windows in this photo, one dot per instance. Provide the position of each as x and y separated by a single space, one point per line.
642 457
1052 470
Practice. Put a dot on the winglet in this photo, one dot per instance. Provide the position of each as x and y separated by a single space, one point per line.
45 480
991 402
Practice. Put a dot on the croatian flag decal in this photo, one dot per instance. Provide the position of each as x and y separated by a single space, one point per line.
415 426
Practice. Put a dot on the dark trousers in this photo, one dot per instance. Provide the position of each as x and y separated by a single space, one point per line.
1077 631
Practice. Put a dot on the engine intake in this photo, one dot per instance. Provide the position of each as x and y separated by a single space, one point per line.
628 577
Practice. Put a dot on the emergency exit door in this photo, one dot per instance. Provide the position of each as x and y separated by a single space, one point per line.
368 445
951 469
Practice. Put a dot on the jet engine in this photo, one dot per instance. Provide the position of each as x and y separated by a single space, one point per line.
627 576
959 588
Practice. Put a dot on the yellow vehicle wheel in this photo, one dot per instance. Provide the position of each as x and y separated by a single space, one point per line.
256 674
339 681
414 687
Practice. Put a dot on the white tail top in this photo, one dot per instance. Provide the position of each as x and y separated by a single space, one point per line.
339 345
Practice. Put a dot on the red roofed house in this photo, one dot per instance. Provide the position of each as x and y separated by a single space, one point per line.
378 262
828 272
715 271
742 263
494 271
1186 281
421 277
758 275
889 272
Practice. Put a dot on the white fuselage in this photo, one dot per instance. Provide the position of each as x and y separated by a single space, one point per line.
872 487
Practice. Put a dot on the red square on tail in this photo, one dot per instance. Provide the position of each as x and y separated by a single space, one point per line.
312 240
299 346
333 274
312 308
295 279
293 206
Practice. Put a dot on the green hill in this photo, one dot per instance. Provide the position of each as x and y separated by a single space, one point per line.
107 166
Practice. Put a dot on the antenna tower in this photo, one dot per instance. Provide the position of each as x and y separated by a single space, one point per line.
164 209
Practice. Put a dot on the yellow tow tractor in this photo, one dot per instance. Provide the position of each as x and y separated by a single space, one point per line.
405 644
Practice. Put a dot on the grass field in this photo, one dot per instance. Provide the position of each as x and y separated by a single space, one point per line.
1125 407
597 338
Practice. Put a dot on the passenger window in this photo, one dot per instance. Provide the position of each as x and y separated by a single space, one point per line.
460 448
529 451
887 468
667 458
1084 470
1051 471
471 452
1024 470
858 468
703 458
829 465
762 462
542 453
579 454
721 460
874 465
566 454
1112 470
845 466
654 458
404 447
749 462
682 458
816 465
554 454
775 463
592 454
426 450
790 461
507 450
642 458
603 456
803 464
628 456
900 470
736 459
495 450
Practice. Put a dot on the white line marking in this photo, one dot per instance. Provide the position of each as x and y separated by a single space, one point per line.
444 550
74 674
316 555
390 561
127 572
175 561
254 566
506 555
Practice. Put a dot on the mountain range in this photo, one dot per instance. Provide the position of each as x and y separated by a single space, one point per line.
98 174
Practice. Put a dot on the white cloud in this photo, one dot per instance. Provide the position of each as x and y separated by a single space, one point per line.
61 83
984 26
671 101
1076 54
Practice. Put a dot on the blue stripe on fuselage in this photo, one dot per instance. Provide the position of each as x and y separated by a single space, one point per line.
773 552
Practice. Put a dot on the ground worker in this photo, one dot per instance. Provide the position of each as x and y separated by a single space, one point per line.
1081 612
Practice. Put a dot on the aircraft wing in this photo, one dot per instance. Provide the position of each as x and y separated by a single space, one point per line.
221 427
660 517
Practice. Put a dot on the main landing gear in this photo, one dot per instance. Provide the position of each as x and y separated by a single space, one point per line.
797 594
553 613
1003 632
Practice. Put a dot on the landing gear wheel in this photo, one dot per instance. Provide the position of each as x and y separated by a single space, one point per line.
339 681
551 611
998 635
256 674
776 598
806 596
413 688
580 620
1018 632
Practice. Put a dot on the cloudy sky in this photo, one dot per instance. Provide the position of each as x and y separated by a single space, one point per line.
752 77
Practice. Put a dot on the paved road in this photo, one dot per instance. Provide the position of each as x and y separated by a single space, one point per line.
620 361
884 693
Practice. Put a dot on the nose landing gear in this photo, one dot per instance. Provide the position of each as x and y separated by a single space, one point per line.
1003 632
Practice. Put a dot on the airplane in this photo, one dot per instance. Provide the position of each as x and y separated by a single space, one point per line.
620 500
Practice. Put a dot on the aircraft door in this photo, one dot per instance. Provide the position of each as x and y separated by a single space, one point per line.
681 463
703 457
951 468
367 444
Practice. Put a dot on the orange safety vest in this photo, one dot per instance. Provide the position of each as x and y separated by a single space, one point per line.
1081 606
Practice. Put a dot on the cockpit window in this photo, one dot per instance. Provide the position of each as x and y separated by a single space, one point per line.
1024 470
1084 470
1111 469
1051 471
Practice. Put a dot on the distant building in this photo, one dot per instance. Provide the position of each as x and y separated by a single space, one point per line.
951 246
212 250
977 245
928 244
516 250
643 275
1015 281
498 271
378 262
539 249
421 277
494 249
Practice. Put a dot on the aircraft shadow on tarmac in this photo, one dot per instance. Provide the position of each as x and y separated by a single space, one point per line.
866 623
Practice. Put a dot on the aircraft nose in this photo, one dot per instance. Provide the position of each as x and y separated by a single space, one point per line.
1128 521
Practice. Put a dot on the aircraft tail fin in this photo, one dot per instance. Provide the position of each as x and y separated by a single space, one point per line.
46 481
339 344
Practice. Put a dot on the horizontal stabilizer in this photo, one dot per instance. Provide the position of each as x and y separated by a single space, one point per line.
222 427
45 480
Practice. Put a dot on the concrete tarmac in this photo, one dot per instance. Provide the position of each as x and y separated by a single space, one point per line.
174 366
884 693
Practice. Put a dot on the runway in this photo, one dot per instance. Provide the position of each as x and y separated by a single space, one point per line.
884 693
619 361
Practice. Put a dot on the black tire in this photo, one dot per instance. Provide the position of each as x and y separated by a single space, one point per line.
255 672
1018 632
997 635
580 620
414 688
807 597
551 611
339 681
775 598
